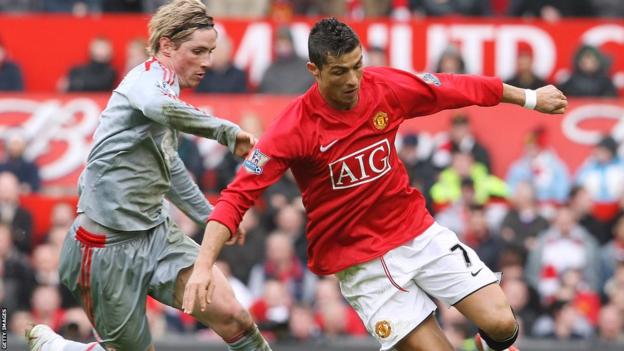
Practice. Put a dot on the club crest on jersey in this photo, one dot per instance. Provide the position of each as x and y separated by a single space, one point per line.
254 164
383 329
429 78
380 121
362 166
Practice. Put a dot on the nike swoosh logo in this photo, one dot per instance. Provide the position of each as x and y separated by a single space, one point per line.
475 273
326 147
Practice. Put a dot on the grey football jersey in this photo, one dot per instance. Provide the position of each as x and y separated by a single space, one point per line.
133 164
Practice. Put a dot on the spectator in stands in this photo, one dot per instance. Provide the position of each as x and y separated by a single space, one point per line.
10 72
451 61
136 53
461 137
45 264
523 223
96 75
16 273
26 171
122 6
564 246
581 205
456 215
290 220
484 241
238 8
18 321
283 265
608 8
525 77
76 325
288 73
12 214
611 325
612 253
541 167
46 307
602 173
563 323
223 76
550 10
302 325
448 187
242 259
590 75
77 7
419 168
271 310
451 7
519 296
189 153
19 6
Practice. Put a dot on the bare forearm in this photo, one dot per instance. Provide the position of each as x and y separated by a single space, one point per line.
215 236
513 95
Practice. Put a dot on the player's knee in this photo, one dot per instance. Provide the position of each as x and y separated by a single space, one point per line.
502 331
502 326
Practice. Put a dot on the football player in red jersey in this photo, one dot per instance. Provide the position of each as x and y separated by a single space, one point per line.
366 224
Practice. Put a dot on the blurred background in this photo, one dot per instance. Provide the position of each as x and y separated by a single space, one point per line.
540 198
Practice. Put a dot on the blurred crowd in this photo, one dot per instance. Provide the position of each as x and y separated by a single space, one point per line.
589 72
550 10
557 236
588 76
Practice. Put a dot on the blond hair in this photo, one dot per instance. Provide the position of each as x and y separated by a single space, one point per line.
177 20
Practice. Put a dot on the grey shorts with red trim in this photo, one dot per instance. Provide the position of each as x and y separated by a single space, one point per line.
111 273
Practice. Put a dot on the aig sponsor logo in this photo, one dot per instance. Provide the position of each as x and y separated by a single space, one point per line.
362 166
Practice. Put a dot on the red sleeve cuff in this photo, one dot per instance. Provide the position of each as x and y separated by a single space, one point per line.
225 216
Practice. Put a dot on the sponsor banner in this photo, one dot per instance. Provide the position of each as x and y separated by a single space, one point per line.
489 46
60 127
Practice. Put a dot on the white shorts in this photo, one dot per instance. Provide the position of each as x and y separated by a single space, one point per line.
390 293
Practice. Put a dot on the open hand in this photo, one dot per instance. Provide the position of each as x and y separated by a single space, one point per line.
551 100
198 289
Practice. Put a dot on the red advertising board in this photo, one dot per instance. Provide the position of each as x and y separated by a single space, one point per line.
60 127
47 46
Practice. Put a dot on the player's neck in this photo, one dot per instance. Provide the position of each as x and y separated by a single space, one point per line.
164 60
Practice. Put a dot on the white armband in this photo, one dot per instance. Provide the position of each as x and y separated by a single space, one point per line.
530 99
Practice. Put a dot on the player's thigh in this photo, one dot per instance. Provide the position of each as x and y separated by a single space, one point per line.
489 309
457 276
451 270
426 336
390 305
111 284
224 314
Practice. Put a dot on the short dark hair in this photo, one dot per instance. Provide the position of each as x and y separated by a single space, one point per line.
330 37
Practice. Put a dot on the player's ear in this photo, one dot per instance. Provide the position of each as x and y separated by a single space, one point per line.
314 70
166 46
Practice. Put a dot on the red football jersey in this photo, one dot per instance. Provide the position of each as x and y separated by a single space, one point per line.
355 189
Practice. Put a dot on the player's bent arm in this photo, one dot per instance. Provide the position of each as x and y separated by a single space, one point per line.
547 99
199 287
179 115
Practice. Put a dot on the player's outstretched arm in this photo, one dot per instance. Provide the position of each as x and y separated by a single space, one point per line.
547 99
199 288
